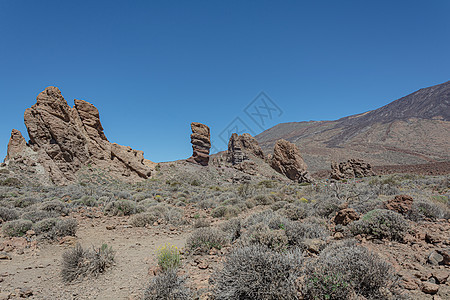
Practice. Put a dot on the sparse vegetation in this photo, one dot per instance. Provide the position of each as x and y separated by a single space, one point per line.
168 257
381 223
168 285
78 262
256 272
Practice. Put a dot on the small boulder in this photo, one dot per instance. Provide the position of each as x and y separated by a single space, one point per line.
401 204
346 216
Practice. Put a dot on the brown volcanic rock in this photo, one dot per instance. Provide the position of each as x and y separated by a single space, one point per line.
65 139
401 204
241 146
286 159
200 140
16 145
346 216
353 168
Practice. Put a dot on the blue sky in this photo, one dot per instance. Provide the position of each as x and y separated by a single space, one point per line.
152 67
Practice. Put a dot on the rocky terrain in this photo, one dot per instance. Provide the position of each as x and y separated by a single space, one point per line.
412 130
82 218
64 140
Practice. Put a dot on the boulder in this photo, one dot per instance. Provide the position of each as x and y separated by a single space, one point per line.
65 139
353 168
200 140
401 204
242 147
346 216
286 160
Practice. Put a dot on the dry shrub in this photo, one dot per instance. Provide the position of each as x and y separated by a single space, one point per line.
381 223
168 286
256 272
204 239
16 227
78 262
343 270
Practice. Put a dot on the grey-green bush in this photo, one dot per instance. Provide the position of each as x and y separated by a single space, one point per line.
78 262
168 286
256 272
381 223
206 238
16 227
344 269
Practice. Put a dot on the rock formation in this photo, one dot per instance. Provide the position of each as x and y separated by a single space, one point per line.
200 140
65 139
241 147
401 204
286 159
16 144
353 168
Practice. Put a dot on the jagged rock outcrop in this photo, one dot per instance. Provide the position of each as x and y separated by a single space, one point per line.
353 168
16 145
286 159
241 147
64 139
401 204
200 140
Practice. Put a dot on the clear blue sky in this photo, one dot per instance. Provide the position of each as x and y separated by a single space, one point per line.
152 67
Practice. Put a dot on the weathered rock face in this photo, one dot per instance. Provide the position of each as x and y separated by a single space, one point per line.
16 144
401 204
241 147
346 216
66 139
286 159
200 140
353 168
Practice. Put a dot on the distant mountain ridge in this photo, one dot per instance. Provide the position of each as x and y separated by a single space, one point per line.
413 129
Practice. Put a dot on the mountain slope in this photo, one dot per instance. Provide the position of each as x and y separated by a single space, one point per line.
411 130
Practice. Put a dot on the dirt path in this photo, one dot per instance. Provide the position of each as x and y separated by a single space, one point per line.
39 270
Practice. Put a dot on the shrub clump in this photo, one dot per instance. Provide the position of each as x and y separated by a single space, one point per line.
206 238
256 272
121 208
343 270
53 228
16 227
8 214
168 257
168 285
381 223
78 262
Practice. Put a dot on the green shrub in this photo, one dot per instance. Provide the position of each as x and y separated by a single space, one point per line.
16 227
381 223
168 257
78 262
53 228
256 272
204 239
343 270
168 285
